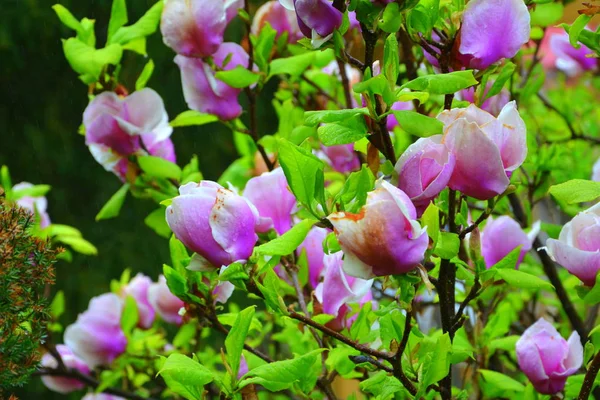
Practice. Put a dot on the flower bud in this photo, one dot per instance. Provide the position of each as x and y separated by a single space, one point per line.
116 128
342 157
214 222
138 289
317 19
203 92
546 358
487 150
339 289
313 244
273 199
96 337
501 236
35 205
280 19
384 238
58 383
491 31
424 170
578 245
193 28
165 303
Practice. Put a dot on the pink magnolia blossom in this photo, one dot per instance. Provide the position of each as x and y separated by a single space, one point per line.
501 236
165 303
280 19
36 205
58 383
317 19
557 53
216 223
493 105
138 289
313 245
487 149
384 238
96 337
546 358
342 157
578 245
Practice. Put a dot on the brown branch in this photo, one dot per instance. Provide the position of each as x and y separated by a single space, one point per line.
321 91
345 83
590 378
397 360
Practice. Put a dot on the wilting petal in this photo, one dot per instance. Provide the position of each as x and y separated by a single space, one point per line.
492 30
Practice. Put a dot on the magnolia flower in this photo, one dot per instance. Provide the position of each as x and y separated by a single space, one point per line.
280 19
493 105
339 289
313 245
384 238
165 303
546 358
202 91
317 19
36 205
424 170
96 337
119 127
138 288
487 150
195 28
342 157
492 30
578 245
557 52
58 383
216 223
501 236
273 199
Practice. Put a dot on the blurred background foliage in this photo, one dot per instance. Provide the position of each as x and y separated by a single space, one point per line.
40 114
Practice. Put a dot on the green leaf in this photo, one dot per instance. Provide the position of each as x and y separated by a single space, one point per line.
234 271
431 220
159 167
281 375
344 132
381 385
447 246
6 182
501 381
436 363
442 83
391 58
78 244
293 66
178 253
130 316
377 85
576 29
67 18
263 46
145 26
157 222
33 191
288 242
191 117
503 77
423 17
230 318
57 307
118 17
593 296
113 206
576 191
87 61
391 20
418 124
234 343
546 14
185 376
239 77
304 174
522 279
142 80
313 118
176 283
355 190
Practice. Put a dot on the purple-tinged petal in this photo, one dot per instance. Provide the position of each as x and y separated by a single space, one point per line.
58 383
501 236
166 304
313 244
138 289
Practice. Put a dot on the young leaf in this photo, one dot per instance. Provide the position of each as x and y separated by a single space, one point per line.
239 77
355 190
67 18
288 242
118 17
293 66
191 117
447 246
159 167
142 80
57 307
431 220
145 26
281 375
113 205
501 381
185 376
507 72
391 20
442 83
576 29
418 124
391 59
576 191
157 222
313 118
130 316
234 343
33 191
522 279
343 132
87 61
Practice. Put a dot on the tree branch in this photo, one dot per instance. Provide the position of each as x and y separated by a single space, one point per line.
590 377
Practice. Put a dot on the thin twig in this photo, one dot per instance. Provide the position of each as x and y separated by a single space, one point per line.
321 91
574 134
590 378
345 83
397 360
